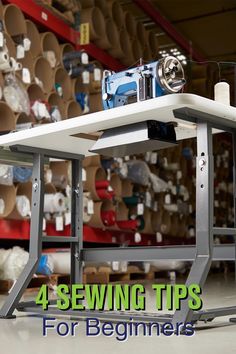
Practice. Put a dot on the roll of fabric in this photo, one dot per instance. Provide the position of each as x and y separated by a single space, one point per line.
54 203
108 217
22 174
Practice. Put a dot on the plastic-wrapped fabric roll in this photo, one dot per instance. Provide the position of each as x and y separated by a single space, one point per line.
12 263
22 174
54 203
23 206
108 217
6 175
60 262
102 184
105 194
128 224
45 266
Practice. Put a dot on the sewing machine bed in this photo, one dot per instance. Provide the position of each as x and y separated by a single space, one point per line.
72 135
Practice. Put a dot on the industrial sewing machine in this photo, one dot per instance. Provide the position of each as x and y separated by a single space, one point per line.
133 85
142 82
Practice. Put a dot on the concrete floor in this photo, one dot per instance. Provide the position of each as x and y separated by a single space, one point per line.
24 335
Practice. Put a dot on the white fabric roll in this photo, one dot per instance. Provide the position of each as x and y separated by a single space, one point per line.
23 205
54 203
222 93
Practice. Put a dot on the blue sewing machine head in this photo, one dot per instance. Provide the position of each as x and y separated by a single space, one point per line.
142 82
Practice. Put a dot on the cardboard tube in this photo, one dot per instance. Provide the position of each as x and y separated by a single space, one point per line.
73 109
14 20
156 220
174 227
126 47
87 3
22 118
64 49
148 222
130 24
7 118
165 223
78 86
35 93
55 100
50 188
153 43
44 72
92 161
116 12
137 50
96 21
147 53
22 206
86 199
108 214
34 37
8 197
49 42
182 227
10 45
95 102
96 220
63 79
116 185
141 33
127 188
1 11
94 173
102 5
60 174
28 62
122 212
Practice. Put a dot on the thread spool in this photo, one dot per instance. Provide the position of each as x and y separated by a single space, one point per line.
54 203
7 118
35 93
44 72
130 24
60 176
95 18
14 20
153 43
28 62
73 109
63 79
55 100
141 33
7 197
95 102
34 37
49 43
222 92
64 49
94 173
22 206
116 12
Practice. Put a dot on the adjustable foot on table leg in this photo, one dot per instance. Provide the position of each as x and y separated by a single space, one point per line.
232 319
7 317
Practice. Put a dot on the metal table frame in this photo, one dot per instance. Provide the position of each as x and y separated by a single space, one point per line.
202 254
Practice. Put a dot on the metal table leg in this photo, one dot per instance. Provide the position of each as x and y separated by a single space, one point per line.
35 239
204 216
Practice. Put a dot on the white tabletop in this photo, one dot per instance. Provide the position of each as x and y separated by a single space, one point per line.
60 136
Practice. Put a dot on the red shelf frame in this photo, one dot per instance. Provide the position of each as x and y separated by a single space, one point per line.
45 17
